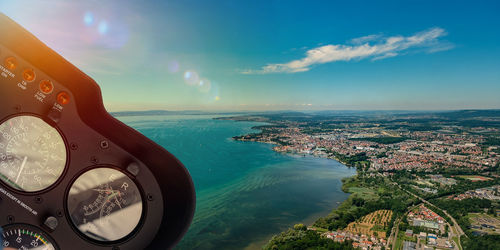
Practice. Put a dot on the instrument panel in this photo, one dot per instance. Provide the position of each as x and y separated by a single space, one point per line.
72 176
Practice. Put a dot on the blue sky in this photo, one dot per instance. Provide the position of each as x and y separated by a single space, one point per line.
273 55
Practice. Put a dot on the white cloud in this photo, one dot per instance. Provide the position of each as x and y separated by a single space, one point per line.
376 47
387 55
364 39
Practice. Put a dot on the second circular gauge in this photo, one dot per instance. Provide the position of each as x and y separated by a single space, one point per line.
32 153
22 236
104 204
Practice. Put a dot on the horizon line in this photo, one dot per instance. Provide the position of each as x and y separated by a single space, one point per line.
310 110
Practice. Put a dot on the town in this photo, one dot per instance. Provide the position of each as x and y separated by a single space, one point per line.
435 160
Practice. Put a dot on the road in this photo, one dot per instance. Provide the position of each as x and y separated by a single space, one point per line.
455 224
394 233
395 229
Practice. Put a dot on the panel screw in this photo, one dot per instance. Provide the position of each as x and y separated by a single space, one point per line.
94 160
150 197
59 213
38 200
104 144
10 218
73 146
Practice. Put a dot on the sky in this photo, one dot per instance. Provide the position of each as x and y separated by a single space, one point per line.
277 55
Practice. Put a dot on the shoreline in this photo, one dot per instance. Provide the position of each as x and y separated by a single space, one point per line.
258 128
311 219
308 221
295 153
319 205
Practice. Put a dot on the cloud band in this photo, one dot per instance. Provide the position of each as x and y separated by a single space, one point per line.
375 47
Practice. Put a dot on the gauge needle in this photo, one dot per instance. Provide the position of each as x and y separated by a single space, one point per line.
117 202
21 169
114 196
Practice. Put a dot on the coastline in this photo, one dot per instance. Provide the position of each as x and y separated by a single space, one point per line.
266 190
259 128
311 219
308 221
298 154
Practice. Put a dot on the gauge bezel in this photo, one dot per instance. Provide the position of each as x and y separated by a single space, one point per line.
33 228
122 240
66 164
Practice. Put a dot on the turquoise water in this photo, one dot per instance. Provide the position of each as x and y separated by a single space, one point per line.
245 191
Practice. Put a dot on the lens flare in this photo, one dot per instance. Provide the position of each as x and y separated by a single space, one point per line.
213 95
88 19
191 77
103 27
110 31
205 85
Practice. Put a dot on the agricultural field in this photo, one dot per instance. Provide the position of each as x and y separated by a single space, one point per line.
484 223
475 177
372 223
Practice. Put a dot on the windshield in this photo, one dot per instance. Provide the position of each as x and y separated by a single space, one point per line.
370 124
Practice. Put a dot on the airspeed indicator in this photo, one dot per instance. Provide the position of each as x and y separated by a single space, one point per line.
32 153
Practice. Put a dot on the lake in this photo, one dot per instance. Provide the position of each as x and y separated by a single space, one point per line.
246 192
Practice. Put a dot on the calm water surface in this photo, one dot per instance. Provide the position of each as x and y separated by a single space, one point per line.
245 191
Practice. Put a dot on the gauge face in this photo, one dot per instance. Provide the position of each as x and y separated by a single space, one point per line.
104 204
21 236
32 153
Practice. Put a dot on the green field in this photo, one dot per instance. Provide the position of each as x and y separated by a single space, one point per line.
425 182
366 193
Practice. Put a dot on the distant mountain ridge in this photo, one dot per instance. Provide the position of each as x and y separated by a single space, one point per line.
452 114
168 112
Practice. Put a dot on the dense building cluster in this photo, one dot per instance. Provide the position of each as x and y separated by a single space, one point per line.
417 151
359 240
424 217
489 193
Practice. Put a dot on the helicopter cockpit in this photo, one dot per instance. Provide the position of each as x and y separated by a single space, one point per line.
71 175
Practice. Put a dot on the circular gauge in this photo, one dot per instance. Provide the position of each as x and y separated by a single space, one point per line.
21 236
32 153
104 204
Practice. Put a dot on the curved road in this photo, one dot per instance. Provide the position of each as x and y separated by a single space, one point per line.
455 224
